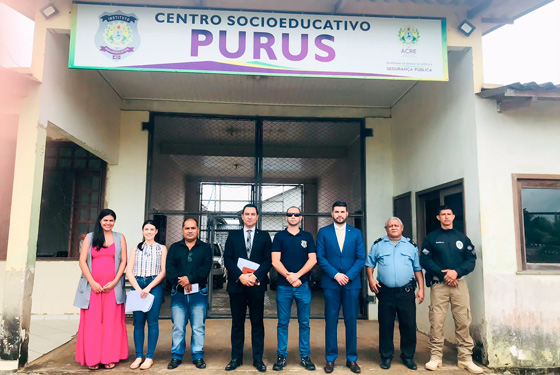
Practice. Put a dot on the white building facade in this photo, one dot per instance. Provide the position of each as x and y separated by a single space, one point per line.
433 142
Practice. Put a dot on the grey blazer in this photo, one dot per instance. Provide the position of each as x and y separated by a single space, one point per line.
84 288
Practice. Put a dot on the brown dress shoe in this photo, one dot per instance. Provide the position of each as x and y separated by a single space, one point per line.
329 367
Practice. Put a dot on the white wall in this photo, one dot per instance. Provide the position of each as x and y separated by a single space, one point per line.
379 185
522 309
55 287
126 181
79 103
434 142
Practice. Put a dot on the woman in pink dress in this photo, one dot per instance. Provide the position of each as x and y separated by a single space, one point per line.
102 337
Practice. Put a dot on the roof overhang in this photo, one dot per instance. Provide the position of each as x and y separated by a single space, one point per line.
518 95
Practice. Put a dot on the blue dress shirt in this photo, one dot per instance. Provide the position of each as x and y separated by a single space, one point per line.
396 263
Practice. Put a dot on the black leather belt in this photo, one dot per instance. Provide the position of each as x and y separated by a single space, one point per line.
410 287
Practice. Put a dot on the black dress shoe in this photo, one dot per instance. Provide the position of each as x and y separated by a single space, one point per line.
174 364
233 364
329 367
280 363
385 363
259 365
409 363
306 362
353 366
199 363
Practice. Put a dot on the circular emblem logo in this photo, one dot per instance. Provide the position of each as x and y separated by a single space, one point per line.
459 245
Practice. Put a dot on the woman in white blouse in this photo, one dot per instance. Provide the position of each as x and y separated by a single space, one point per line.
145 272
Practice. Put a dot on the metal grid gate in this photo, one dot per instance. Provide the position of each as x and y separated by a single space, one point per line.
210 167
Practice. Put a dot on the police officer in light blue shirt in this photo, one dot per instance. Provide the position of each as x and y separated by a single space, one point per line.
398 269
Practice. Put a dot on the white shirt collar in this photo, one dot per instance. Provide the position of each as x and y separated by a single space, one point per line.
343 226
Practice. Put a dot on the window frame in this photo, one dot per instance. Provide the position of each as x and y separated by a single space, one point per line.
520 181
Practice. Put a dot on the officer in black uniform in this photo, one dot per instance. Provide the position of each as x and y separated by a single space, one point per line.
448 255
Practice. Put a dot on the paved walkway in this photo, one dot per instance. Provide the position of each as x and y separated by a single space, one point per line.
217 353
49 332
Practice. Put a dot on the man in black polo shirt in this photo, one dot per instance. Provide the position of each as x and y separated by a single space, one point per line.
188 265
293 256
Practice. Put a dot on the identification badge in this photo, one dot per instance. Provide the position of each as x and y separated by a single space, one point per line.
304 244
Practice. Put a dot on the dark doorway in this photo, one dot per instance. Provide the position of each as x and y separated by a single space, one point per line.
210 167
402 208
429 202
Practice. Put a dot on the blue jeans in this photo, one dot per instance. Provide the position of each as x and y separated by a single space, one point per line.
152 317
183 308
284 298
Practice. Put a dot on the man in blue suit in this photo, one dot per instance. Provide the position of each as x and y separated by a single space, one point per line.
341 254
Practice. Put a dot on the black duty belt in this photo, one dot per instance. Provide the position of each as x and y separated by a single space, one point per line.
410 287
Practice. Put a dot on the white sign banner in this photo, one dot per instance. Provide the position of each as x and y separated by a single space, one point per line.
257 43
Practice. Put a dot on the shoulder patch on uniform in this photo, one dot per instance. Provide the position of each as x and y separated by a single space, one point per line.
377 240
412 242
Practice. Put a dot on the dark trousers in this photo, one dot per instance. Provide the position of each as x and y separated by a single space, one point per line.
239 303
402 304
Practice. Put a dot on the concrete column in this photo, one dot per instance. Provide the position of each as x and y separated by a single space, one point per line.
126 181
379 185
22 238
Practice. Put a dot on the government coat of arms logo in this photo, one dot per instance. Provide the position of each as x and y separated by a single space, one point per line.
117 36
409 35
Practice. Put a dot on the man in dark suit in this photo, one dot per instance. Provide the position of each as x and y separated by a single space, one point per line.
247 289
341 254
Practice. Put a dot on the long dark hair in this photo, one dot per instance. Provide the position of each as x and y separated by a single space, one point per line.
141 244
98 240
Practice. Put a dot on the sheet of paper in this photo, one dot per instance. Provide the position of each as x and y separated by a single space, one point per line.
246 266
135 302
194 289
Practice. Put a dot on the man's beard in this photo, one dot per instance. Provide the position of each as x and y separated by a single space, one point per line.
340 222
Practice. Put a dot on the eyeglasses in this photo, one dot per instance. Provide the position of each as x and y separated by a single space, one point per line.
289 214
